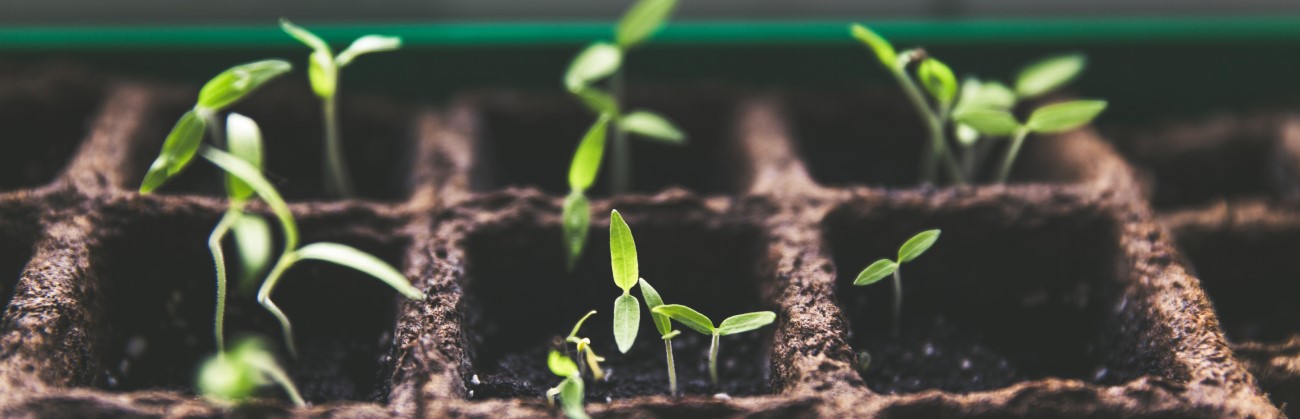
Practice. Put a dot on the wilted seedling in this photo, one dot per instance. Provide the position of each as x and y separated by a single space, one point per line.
739 323
911 249
323 70
583 351
1049 119
622 258
665 327
570 391
232 377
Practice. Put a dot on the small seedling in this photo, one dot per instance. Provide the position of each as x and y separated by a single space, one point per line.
911 249
1050 119
622 257
323 71
583 351
231 377
665 327
570 391
739 323
582 173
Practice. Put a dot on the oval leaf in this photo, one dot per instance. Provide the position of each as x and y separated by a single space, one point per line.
596 62
642 20
323 73
177 151
598 101
234 84
366 263
366 45
742 323
1061 117
586 159
571 392
253 242
652 300
877 271
938 80
883 49
985 94
1048 74
687 317
244 140
652 125
917 245
561 365
577 221
303 35
622 252
627 319
988 121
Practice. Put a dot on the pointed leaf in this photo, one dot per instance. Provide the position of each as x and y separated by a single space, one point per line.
366 263
303 35
577 326
938 80
627 319
687 317
596 62
1061 117
253 177
323 73
652 300
1048 74
577 221
883 49
561 365
742 323
877 271
244 140
651 125
253 242
642 20
586 160
988 121
917 245
366 45
622 252
571 393
177 151
598 101
234 84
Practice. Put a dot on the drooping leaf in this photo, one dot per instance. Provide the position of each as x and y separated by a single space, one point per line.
303 35
875 272
253 177
642 20
883 49
938 80
586 159
577 326
917 245
652 300
742 323
687 317
988 121
244 140
622 252
366 45
577 221
571 393
651 125
1048 74
1061 117
253 242
237 82
627 319
323 73
596 62
351 257
177 151
598 101
561 365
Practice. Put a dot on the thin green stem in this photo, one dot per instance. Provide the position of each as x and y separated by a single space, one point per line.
1010 159
672 369
264 298
713 360
215 128
938 148
621 176
337 180
277 374
898 300
219 259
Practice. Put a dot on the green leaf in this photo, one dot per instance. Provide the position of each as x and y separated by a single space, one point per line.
571 392
253 242
234 84
578 325
253 177
988 121
586 160
366 263
303 35
366 45
622 252
561 365
687 317
981 94
877 271
577 221
244 140
227 378
917 245
323 73
627 319
177 151
642 20
938 80
1061 117
1046 75
742 323
966 136
597 61
598 101
652 300
651 125
883 49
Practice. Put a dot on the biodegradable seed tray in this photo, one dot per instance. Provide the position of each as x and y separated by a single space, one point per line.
1059 295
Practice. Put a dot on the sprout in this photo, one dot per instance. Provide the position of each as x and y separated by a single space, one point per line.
232 376
732 325
911 249
1050 119
665 327
582 348
569 391
622 255
323 71
582 173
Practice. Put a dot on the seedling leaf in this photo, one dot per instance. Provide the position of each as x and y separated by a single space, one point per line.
651 125
561 365
303 35
652 300
985 94
323 73
1048 74
586 160
366 45
571 393
877 271
917 245
622 253
598 101
244 140
577 221
989 121
177 151
578 325
642 20
742 323
597 61
366 263
687 317
1061 117
627 319
883 49
253 241
237 82
234 376
938 80
251 176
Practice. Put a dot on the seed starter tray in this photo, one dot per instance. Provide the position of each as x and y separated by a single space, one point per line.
1058 295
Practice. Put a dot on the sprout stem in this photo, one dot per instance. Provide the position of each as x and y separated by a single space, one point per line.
337 181
281 378
713 360
672 369
219 259
621 176
898 300
938 148
1010 159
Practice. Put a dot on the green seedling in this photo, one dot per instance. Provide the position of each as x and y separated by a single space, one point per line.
603 60
1050 119
622 257
570 391
583 352
231 377
910 250
582 173
323 71
664 324
739 323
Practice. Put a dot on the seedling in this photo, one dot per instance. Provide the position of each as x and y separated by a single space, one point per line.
323 71
1049 119
570 391
231 377
665 327
583 352
910 250
582 173
622 258
739 323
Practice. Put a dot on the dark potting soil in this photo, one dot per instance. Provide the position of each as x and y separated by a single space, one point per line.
1249 273
47 111
15 250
